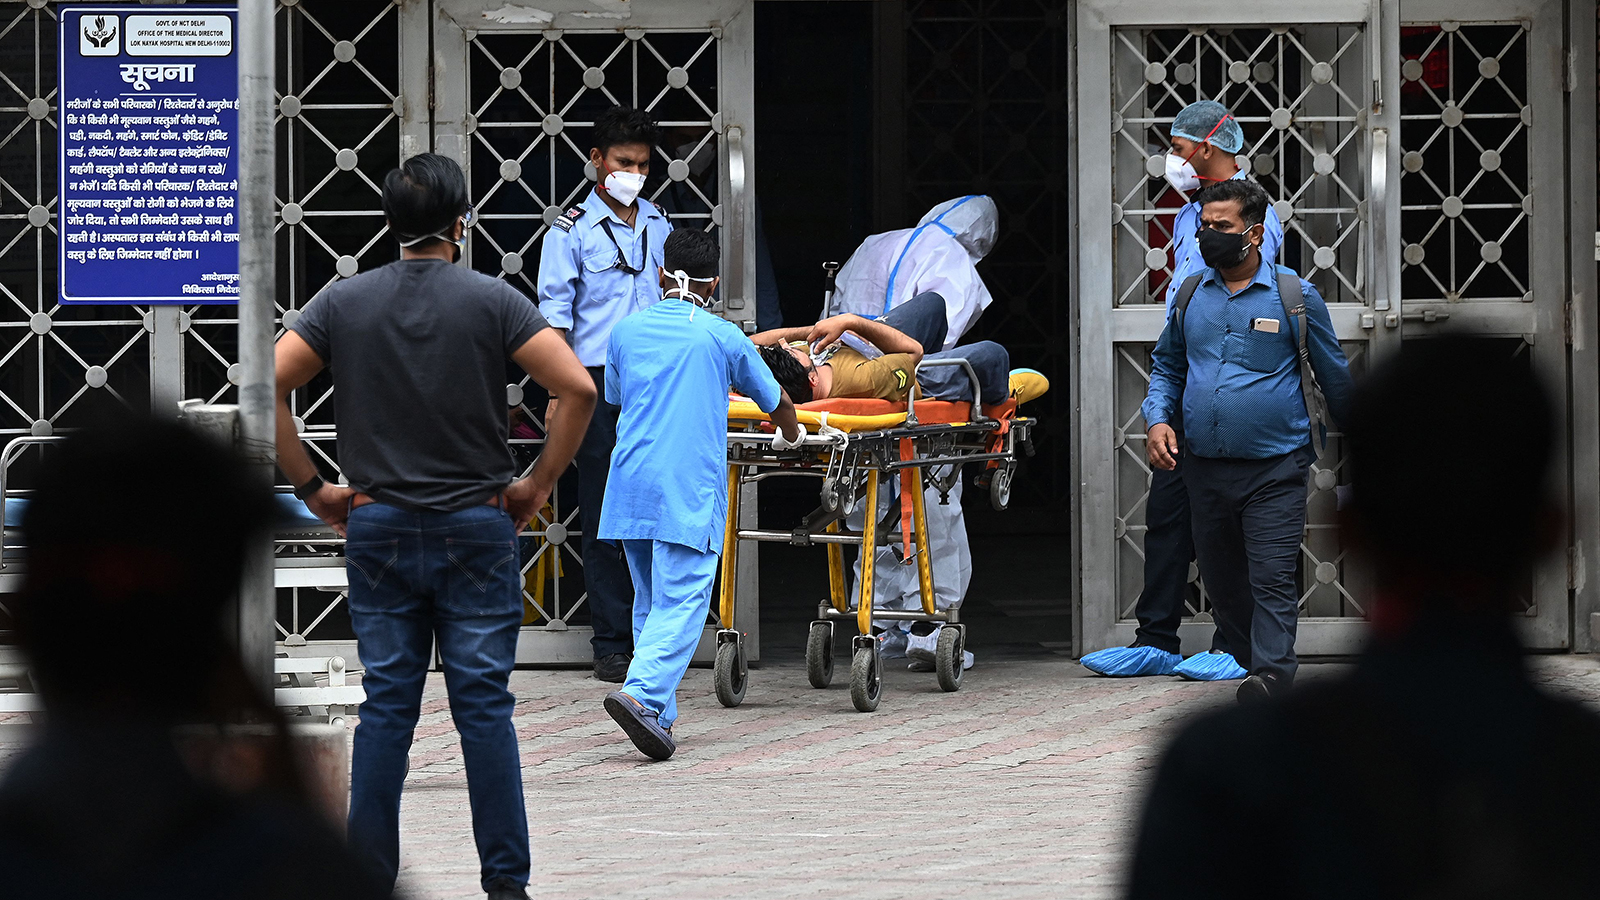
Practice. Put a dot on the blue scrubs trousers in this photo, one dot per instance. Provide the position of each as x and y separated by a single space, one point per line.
671 598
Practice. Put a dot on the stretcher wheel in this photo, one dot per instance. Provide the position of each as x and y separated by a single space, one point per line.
730 675
866 682
1000 489
949 657
819 655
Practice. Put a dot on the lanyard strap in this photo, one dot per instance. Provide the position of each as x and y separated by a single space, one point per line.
622 259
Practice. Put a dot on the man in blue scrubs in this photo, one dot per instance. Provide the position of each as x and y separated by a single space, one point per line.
597 266
1205 141
667 496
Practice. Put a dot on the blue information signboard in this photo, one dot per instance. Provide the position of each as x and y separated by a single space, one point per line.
149 107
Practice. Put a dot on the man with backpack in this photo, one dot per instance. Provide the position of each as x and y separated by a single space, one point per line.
1250 354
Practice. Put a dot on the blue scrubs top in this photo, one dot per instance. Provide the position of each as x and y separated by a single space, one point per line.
670 370
582 289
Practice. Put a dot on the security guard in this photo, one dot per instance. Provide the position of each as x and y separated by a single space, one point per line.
599 264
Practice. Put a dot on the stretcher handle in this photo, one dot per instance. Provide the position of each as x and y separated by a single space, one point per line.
977 392
8 456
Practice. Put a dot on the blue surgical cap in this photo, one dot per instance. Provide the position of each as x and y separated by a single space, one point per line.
1199 119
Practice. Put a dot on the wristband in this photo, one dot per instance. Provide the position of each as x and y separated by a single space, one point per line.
306 491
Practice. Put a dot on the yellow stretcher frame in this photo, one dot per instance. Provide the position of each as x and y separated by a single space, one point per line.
859 453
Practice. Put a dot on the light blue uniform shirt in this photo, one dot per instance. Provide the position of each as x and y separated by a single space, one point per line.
1239 384
670 370
581 289
1186 249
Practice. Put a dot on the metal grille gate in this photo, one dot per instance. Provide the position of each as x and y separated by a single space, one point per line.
361 84
1405 189
514 95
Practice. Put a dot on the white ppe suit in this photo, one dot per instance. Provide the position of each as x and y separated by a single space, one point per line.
938 255
885 271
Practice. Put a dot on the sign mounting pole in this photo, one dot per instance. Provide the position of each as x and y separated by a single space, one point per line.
257 302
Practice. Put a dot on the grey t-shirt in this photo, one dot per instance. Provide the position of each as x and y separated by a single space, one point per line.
418 350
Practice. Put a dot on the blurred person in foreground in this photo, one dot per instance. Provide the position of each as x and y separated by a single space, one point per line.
129 792
1436 767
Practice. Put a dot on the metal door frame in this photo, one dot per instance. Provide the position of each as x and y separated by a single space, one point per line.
1101 326
1541 321
450 25
1558 43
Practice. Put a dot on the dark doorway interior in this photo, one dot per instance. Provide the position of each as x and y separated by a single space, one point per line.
866 115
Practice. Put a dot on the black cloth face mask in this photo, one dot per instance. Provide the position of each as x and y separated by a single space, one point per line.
1223 249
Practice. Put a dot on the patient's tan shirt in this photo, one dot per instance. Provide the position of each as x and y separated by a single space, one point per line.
889 377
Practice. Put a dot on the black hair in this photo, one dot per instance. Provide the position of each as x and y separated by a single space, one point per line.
692 250
424 196
1470 508
625 125
1252 198
790 375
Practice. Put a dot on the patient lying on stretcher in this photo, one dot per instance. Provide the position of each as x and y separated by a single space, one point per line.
850 356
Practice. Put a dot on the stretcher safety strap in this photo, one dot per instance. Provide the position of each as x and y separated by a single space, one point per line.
907 453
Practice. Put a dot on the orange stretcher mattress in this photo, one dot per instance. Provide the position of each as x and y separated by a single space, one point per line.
855 414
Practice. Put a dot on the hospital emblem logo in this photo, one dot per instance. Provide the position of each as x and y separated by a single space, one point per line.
98 36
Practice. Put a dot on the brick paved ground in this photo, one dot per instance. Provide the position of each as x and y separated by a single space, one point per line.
1022 785
1019 786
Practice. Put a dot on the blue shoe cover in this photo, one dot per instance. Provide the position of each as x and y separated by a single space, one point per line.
1130 662
1213 666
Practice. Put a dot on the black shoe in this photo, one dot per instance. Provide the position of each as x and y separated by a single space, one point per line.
1256 688
612 667
505 889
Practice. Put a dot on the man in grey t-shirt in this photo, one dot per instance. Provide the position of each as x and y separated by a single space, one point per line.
432 510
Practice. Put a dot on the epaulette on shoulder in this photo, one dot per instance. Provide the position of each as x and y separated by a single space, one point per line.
566 220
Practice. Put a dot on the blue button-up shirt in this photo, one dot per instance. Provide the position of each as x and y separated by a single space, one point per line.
1239 384
1186 258
581 289
670 370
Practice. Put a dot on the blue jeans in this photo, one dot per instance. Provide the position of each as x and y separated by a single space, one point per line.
923 319
672 595
417 577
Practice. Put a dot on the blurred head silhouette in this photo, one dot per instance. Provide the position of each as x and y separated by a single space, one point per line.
135 539
1450 448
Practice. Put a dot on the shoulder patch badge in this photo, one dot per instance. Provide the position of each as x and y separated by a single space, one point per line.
900 376
566 220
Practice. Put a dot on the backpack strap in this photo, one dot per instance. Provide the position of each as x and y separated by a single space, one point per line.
1294 305
1185 294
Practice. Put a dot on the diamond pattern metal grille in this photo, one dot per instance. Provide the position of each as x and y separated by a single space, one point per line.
533 100
986 112
1466 203
1298 93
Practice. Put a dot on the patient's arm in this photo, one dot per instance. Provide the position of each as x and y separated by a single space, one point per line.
885 337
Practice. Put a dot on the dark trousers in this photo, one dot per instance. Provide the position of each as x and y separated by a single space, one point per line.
1249 517
923 318
1168 551
605 575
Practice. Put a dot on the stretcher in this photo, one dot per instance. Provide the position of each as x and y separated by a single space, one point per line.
853 446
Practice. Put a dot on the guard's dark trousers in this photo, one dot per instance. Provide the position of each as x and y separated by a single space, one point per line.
605 574
1249 516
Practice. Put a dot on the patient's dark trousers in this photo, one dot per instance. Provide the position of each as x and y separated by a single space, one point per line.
1249 517
924 319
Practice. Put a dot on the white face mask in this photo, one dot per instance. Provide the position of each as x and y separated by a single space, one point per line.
1181 174
624 187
